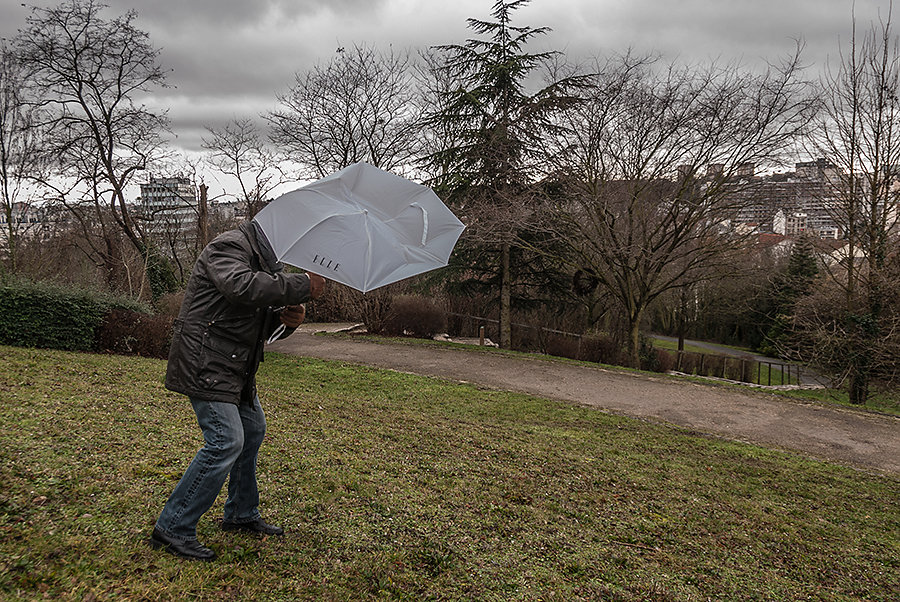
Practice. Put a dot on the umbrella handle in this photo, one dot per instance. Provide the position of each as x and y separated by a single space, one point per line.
424 222
276 335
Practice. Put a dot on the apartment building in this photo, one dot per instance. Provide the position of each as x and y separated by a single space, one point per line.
169 202
803 200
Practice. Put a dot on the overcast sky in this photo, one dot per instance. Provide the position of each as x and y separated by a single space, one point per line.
229 58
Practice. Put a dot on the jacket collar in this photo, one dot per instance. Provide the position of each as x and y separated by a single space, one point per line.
260 245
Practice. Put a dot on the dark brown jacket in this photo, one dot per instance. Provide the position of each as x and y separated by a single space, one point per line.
231 306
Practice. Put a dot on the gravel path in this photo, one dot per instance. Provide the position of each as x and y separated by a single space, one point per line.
863 440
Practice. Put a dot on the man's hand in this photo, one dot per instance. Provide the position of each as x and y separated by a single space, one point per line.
292 316
316 285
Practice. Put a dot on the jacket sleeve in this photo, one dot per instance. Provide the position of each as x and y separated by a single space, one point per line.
228 268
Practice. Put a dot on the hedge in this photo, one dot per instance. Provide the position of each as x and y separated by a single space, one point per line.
52 316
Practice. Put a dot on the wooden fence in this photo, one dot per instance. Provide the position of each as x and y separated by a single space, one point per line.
768 373
548 340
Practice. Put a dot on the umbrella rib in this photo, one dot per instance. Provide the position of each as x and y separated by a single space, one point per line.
424 221
368 271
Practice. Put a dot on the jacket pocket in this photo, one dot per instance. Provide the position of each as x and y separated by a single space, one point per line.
223 364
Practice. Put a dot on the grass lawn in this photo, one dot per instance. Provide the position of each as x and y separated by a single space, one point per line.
393 486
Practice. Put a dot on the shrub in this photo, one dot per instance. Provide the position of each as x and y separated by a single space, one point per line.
337 304
562 346
128 332
51 316
749 371
689 362
731 368
714 365
665 361
525 338
648 356
169 304
601 349
343 304
414 315
374 309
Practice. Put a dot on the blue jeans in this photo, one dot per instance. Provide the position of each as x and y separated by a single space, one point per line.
233 435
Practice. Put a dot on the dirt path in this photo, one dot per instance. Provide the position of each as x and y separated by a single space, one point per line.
868 441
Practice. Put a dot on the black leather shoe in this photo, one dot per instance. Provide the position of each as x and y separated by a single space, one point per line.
258 526
183 548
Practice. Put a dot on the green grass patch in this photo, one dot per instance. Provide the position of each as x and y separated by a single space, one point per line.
673 346
771 375
398 487
885 402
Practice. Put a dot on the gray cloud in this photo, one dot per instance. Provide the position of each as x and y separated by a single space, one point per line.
230 57
229 15
701 30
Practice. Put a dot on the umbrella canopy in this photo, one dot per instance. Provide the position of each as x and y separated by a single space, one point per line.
361 226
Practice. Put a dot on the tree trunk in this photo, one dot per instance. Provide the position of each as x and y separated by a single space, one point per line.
505 298
859 386
113 264
203 218
634 339
12 243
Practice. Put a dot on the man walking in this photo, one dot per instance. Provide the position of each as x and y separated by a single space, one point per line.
236 299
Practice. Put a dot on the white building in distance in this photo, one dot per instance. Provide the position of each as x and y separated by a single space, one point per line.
168 202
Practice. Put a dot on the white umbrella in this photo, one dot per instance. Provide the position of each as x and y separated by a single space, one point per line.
362 226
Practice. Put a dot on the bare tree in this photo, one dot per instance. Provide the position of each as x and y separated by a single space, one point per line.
89 74
21 161
839 344
652 163
859 136
238 150
356 107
